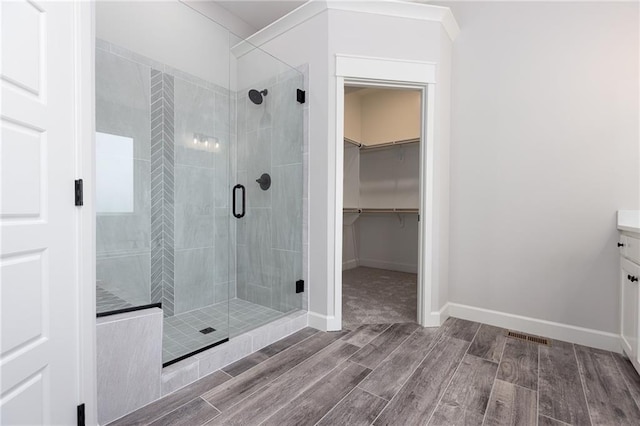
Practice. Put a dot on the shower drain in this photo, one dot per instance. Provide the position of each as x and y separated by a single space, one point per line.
529 338
207 330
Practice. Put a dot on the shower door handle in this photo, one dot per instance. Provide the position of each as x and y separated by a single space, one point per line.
235 213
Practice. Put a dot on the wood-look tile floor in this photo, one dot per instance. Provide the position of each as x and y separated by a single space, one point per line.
462 373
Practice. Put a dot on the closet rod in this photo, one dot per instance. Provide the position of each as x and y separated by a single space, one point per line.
352 142
389 144
389 210
371 210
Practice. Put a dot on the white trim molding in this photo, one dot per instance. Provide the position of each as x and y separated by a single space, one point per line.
349 264
391 266
554 330
397 70
324 322
436 318
384 72
402 9
84 62
399 9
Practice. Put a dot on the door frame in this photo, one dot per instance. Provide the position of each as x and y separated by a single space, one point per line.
391 73
84 67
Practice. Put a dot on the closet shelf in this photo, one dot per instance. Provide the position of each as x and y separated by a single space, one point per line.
381 145
352 142
372 210
389 144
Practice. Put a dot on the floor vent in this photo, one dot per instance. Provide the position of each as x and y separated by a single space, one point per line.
529 338
207 330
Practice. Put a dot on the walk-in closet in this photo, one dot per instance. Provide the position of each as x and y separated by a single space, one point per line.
381 204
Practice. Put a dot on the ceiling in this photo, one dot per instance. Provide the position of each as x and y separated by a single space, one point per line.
260 13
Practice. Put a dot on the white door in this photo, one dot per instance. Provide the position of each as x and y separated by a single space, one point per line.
39 357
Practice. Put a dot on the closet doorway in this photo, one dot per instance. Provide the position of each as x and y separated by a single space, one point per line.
381 204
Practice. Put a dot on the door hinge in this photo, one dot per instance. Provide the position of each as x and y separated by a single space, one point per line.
301 96
300 286
81 415
79 194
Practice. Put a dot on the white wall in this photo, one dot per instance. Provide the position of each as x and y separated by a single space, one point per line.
390 177
388 241
352 117
349 240
387 178
168 32
384 241
374 116
390 115
544 150
351 176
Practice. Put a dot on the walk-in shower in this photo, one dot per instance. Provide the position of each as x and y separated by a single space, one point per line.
176 133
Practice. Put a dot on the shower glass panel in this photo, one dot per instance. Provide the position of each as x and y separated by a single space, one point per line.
163 144
268 169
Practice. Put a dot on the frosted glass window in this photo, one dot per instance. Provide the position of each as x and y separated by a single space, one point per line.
114 173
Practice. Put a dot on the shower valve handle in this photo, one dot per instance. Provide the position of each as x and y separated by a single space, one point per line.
264 181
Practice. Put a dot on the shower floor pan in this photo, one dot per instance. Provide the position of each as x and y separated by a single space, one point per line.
182 333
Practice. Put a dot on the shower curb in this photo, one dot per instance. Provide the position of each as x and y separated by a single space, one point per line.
200 365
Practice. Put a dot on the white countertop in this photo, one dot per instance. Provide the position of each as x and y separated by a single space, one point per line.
629 220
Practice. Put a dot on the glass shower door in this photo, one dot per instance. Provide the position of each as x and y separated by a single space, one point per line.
267 190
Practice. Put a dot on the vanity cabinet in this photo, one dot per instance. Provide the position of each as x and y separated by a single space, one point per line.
629 309
629 246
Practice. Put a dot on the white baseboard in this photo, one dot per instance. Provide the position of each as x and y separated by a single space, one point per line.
568 333
391 266
349 264
324 322
437 318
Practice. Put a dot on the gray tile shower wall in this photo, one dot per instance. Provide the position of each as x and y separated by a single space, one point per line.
195 176
203 238
176 247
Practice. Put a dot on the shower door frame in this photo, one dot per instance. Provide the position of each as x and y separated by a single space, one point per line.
398 74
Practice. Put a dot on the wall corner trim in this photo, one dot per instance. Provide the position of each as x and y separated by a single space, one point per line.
324 322
450 24
437 318
398 9
554 330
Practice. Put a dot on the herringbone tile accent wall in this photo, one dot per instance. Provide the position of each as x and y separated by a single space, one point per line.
162 190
